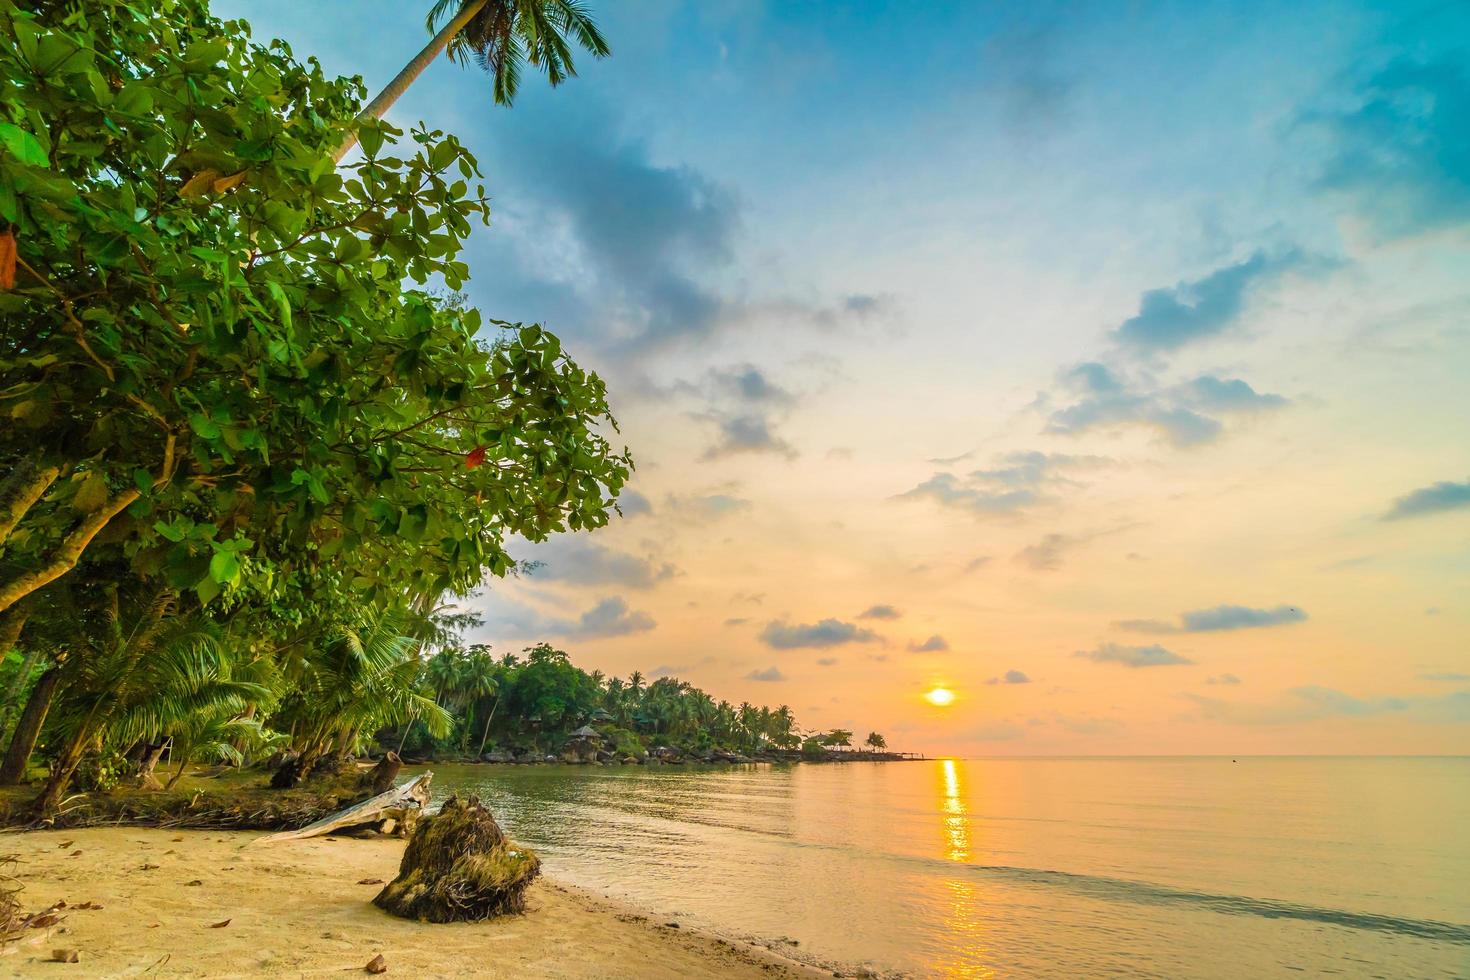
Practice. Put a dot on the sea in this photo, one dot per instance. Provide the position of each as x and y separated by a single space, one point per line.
1006 867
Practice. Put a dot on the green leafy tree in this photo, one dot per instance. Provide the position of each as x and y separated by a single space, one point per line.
876 742
221 362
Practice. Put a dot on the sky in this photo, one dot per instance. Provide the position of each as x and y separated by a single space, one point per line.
1107 364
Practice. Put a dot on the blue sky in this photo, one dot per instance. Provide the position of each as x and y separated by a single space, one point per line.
1120 348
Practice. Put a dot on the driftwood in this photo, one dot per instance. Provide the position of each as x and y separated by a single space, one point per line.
380 778
395 811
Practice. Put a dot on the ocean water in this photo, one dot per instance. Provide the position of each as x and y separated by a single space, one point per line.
1157 867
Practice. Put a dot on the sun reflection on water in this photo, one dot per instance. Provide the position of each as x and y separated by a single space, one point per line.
956 820
965 948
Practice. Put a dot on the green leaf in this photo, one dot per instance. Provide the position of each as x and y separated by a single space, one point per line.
224 567
204 426
22 145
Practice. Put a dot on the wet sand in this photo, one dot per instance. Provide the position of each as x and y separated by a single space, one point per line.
296 909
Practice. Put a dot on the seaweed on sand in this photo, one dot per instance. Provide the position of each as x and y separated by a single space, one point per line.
460 867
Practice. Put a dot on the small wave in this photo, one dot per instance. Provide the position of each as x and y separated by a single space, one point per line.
1147 893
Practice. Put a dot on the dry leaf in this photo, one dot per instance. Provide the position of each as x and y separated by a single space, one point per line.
65 844
196 881
75 853
65 956
196 185
377 964
233 180
43 920
7 266
148 867
371 881
220 925
176 839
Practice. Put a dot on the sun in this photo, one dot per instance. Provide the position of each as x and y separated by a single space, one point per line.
940 697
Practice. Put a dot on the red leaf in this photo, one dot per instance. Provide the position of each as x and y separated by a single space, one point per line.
7 260
475 457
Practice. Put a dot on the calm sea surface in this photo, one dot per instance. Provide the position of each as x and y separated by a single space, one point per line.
1165 867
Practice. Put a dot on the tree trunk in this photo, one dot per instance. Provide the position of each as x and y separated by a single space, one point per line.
20 491
380 777
28 728
485 735
62 770
183 764
11 625
67 555
400 83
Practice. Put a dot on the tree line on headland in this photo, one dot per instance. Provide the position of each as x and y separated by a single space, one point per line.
251 435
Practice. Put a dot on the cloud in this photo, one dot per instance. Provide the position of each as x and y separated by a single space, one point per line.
879 612
1433 499
1218 619
1015 482
704 508
1400 155
575 560
769 674
1314 703
826 661
1445 676
1170 318
826 633
1010 677
748 384
1047 554
1226 679
666 670
997 732
934 644
608 618
1184 414
746 433
975 564
632 503
736 621
1149 656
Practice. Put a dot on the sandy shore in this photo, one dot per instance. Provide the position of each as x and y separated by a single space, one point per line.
296 910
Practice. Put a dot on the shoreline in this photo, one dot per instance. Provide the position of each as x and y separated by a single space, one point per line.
300 908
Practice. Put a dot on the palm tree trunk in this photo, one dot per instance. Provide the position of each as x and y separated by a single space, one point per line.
485 735
394 89
28 728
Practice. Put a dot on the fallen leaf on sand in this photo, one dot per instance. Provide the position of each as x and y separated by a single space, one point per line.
65 956
65 844
75 853
43 920
377 964
371 881
196 881
176 839
220 925
148 867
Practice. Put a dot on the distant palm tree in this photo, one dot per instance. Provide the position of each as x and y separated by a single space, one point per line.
501 36
876 742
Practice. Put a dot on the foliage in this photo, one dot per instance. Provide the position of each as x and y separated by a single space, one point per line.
505 34
222 362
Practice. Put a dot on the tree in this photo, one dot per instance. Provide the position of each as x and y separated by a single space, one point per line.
838 737
876 742
500 35
221 362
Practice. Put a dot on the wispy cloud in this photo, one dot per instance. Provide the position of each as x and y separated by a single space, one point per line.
1010 677
781 635
880 612
934 644
1015 482
1399 155
1186 414
575 560
1149 656
1170 318
1433 499
1219 619
1313 703
609 618
769 674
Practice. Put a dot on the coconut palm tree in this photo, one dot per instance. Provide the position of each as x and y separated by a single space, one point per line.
501 36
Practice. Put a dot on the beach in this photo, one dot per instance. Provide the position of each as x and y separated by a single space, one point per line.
299 909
